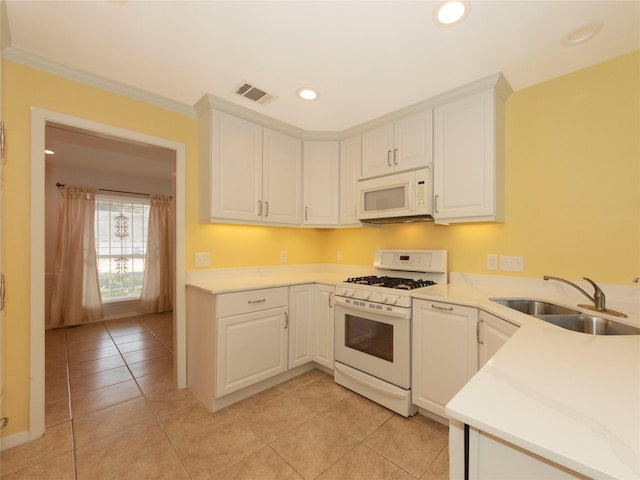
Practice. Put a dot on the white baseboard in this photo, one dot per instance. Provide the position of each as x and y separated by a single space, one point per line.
14 440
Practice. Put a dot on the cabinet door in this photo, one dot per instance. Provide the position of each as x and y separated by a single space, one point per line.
321 183
281 178
493 333
444 352
300 324
323 326
250 348
413 141
350 164
377 151
464 160
236 168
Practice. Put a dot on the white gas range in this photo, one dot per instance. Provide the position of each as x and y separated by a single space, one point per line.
373 325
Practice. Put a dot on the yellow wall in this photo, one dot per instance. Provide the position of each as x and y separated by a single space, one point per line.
572 185
573 193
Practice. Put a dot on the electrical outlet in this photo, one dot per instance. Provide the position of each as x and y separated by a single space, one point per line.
492 261
283 256
339 255
512 264
203 259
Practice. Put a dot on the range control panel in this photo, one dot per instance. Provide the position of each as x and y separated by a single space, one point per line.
433 261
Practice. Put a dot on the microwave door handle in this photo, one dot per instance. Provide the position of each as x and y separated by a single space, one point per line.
412 196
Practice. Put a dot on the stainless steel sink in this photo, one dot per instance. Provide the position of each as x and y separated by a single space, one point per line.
590 324
534 307
568 318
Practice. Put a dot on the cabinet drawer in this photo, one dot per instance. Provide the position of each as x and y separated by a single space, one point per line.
252 301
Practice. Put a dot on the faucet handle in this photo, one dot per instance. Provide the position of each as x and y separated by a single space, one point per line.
598 295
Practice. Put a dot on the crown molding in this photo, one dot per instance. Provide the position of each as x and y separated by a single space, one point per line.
35 61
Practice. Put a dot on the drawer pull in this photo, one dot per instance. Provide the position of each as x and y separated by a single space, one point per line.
438 307
252 302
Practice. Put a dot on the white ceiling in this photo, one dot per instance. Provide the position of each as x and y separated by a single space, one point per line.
365 58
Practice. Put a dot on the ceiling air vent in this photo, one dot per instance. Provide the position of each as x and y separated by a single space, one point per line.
254 94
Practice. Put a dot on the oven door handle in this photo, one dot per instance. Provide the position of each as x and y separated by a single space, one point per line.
398 312
362 381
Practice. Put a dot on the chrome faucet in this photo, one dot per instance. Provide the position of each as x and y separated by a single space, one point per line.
637 279
598 298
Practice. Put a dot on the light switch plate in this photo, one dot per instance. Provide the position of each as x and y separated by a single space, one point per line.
203 259
283 256
512 264
492 261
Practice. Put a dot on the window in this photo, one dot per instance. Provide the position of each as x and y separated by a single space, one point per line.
121 246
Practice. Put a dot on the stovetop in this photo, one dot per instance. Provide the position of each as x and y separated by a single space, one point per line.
391 282
401 274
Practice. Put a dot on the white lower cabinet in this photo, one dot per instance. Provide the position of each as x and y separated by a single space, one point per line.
253 340
301 309
493 333
243 342
323 326
491 458
444 352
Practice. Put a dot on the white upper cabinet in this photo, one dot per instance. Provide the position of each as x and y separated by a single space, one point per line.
321 183
281 178
468 157
350 164
405 144
230 165
248 174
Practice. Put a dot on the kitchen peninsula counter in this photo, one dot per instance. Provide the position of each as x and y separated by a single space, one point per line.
569 397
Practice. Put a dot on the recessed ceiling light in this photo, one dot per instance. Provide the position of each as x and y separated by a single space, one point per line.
582 33
49 152
450 13
307 94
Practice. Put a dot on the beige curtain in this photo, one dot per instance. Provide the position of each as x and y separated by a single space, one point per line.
157 285
76 292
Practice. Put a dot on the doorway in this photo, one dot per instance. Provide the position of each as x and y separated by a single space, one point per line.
40 119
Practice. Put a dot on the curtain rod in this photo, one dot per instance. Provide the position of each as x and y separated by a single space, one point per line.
60 185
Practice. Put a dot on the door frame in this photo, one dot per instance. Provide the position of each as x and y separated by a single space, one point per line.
39 119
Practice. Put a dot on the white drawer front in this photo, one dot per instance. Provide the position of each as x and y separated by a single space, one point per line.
252 301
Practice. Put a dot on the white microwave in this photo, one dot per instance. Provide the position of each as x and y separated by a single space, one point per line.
400 197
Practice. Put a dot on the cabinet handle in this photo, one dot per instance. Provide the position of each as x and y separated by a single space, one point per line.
252 302
478 332
286 320
435 203
389 157
330 297
266 209
395 156
259 208
438 307
306 210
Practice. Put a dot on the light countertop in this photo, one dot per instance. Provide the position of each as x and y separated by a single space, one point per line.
569 397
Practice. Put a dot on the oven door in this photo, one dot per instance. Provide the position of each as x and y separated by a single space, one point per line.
374 343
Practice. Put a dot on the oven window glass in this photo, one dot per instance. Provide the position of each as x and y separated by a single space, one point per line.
369 336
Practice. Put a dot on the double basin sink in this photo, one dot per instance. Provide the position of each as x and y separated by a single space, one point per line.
568 318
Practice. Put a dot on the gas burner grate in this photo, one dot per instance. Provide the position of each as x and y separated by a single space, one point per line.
391 282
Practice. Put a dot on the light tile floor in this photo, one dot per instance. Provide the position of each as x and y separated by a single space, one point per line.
112 412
